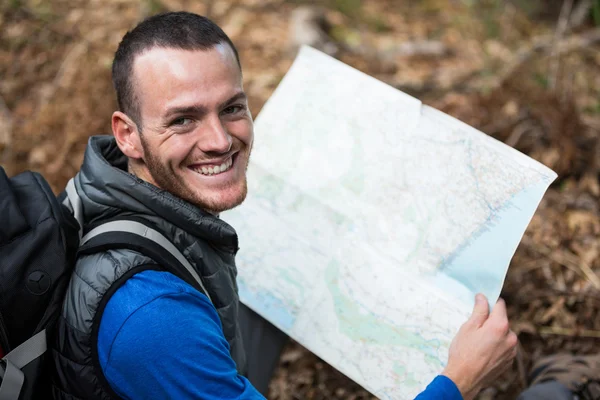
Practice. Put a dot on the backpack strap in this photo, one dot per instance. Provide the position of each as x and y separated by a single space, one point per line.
133 234
12 381
11 364
73 202
137 235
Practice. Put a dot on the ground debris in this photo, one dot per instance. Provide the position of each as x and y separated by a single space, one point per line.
56 91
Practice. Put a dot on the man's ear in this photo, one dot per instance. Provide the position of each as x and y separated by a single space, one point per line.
127 135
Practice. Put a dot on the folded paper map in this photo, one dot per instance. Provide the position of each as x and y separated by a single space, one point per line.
372 220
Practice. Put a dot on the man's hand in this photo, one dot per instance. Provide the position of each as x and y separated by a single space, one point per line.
483 348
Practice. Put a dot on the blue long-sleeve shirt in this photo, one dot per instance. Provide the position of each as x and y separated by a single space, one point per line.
160 338
441 388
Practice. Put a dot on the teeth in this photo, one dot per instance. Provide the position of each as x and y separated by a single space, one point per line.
215 169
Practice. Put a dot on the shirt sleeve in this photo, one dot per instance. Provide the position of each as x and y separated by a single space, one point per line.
441 388
171 346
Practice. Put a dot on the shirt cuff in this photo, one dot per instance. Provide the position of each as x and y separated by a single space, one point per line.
441 388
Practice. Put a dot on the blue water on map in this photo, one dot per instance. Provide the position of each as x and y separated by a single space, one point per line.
264 303
480 264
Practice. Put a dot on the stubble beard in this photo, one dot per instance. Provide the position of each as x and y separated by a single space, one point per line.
168 180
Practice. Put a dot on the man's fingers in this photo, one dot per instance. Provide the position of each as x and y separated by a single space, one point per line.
499 310
481 310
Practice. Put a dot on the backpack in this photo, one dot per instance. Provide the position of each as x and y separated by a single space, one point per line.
40 238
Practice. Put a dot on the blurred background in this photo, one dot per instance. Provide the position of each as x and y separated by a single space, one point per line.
526 72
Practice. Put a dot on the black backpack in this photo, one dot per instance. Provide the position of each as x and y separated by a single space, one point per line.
40 238
38 243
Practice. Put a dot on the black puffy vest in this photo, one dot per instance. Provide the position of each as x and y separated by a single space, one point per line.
208 243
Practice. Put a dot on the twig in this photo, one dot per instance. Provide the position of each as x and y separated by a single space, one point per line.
566 259
580 13
552 292
572 332
6 122
425 48
6 116
65 74
518 131
561 28
505 123
542 43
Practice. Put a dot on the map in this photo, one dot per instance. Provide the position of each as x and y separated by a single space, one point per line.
372 221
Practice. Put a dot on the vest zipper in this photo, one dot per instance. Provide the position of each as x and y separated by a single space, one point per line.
3 337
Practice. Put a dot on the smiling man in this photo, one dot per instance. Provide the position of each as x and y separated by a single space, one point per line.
194 130
178 156
134 328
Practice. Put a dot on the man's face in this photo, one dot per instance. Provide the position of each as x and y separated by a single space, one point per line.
197 130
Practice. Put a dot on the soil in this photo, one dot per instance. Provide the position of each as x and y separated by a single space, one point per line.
525 72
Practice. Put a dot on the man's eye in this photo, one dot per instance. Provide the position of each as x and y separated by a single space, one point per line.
181 121
232 109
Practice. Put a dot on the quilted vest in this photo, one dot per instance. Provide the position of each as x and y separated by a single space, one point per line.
208 243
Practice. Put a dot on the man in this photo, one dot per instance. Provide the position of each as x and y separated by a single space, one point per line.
182 141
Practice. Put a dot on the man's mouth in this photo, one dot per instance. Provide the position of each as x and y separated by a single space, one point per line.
213 169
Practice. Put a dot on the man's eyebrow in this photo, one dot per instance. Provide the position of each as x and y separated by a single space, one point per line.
193 110
236 97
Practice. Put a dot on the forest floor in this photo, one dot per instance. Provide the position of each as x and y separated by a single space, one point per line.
524 71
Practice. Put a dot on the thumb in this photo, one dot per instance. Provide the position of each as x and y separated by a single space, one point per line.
481 310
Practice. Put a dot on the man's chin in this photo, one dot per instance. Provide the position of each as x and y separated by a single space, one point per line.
221 202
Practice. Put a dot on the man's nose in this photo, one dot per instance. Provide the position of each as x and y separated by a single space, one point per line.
216 139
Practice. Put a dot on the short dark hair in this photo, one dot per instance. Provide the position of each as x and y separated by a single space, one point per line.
178 30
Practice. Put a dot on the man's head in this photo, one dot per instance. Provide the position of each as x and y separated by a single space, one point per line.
184 121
